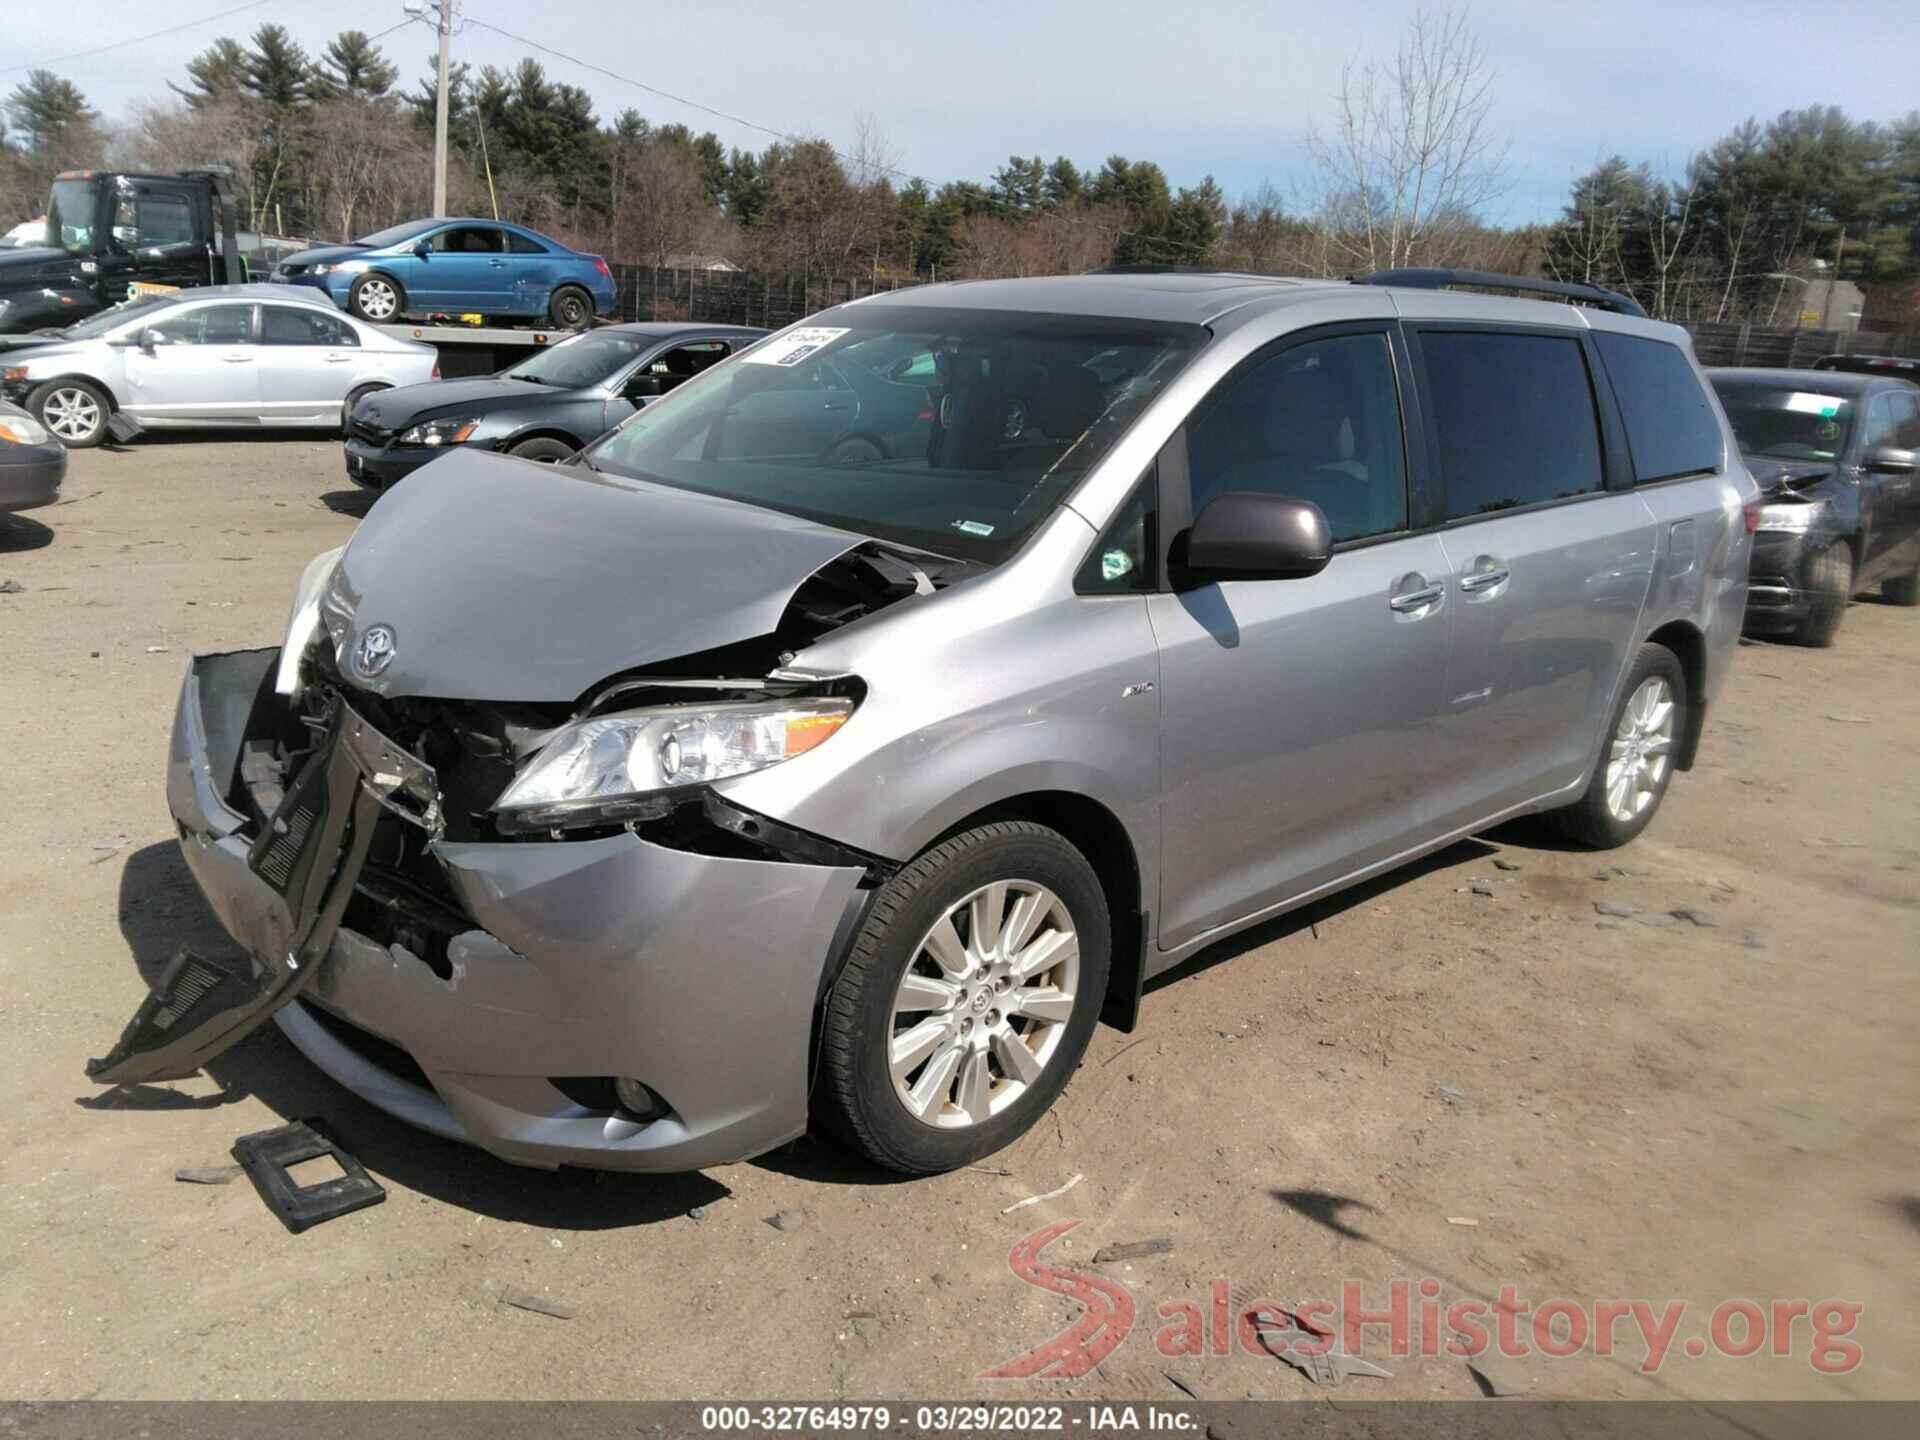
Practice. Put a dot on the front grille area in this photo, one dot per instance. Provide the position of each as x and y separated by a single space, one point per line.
372 434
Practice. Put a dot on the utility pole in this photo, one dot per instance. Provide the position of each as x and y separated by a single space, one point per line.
440 116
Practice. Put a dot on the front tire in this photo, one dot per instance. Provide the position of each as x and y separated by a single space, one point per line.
571 308
967 999
1636 759
76 411
1830 584
376 299
544 450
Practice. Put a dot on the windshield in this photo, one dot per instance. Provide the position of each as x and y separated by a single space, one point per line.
394 234
72 210
97 325
1784 422
583 360
956 431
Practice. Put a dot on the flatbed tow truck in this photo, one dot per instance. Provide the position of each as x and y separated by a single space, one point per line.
112 234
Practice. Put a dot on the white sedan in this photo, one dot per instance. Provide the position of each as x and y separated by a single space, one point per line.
251 356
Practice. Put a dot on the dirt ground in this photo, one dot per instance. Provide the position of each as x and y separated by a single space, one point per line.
1415 1082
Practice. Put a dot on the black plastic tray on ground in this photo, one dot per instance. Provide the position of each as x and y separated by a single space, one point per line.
267 1155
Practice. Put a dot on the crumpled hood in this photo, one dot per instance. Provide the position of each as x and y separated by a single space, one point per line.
36 352
504 580
324 255
401 406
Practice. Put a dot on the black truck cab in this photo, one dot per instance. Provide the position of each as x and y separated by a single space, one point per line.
109 230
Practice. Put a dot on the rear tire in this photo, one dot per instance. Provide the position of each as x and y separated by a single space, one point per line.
995 1043
377 299
546 451
1830 582
354 397
570 308
1630 778
1903 589
76 411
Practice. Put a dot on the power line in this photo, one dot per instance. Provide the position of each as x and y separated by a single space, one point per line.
793 138
131 39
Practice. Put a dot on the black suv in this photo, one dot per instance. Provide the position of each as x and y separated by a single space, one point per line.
543 408
1834 456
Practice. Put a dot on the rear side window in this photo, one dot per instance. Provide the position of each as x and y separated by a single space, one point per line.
1514 419
519 244
290 325
1671 429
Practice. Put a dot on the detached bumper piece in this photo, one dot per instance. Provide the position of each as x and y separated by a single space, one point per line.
268 1155
298 878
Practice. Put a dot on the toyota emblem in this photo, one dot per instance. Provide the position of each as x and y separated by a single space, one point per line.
374 652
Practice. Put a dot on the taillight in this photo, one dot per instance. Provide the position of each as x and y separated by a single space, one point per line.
1751 510
436 376
600 264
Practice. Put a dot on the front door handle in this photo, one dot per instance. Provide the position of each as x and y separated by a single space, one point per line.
339 359
1484 579
1416 599
238 359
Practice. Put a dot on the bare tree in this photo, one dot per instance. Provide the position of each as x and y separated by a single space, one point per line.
1669 213
1411 157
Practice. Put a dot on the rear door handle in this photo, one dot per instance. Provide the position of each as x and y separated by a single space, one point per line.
238 359
1484 579
339 359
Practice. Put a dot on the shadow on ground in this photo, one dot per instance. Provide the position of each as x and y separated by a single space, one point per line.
18 533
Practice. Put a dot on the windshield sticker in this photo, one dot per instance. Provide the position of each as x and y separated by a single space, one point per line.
973 527
1810 404
794 346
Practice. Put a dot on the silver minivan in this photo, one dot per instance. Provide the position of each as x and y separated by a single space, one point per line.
841 737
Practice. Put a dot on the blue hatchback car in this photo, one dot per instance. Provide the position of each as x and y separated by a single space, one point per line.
457 267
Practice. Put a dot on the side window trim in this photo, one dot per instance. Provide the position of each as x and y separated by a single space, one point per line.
1616 470
1154 482
1423 508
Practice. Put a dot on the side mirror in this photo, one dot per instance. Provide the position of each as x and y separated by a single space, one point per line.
1893 460
1247 535
644 387
422 248
150 339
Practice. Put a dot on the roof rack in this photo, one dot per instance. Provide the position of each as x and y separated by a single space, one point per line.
1156 268
1434 278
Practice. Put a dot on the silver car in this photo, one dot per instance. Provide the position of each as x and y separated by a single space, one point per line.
639 811
225 355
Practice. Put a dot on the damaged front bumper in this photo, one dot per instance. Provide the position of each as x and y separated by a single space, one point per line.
587 960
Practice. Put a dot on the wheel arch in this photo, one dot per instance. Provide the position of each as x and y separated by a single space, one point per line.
1689 646
374 272
81 377
542 431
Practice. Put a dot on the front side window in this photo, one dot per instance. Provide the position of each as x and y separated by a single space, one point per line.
1318 421
963 461
147 222
208 325
683 362
579 362
1514 418
1671 429
1890 422
1782 421
468 240
299 325
1126 561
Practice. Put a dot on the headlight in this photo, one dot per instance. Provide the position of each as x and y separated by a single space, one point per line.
23 430
616 767
304 620
13 374
1797 518
319 269
441 432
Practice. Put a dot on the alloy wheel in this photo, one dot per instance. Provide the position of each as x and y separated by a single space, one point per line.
983 1006
71 414
1642 749
377 300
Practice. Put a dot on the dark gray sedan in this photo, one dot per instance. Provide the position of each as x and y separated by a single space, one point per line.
32 462
544 408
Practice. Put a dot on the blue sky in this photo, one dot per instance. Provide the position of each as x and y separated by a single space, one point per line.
1222 86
